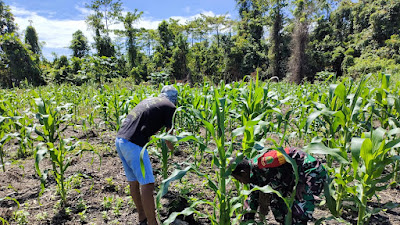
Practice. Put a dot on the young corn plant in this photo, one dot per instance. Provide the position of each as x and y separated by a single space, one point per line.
341 117
52 121
103 100
24 127
370 157
224 205
5 136
59 155
119 107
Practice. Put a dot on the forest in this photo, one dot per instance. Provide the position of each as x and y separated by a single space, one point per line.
292 40
321 76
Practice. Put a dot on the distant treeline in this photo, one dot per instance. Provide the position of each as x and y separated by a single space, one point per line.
295 40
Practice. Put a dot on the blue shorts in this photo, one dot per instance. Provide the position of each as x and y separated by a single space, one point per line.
130 157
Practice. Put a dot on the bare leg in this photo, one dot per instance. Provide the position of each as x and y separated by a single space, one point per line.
137 199
148 203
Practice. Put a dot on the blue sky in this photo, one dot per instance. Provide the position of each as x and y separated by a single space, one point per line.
56 20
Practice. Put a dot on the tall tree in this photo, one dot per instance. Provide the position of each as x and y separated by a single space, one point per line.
107 10
131 33
31 38
18 61
7 24
275 54
106 13
217 23
164 49
197 29
179 58
147 39
79 44
251 29
300 36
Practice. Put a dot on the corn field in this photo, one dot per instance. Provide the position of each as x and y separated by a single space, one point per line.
60 139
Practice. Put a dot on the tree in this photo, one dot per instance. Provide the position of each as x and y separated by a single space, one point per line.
275 54
7 24
164 49
106 13
179 58
16 64
131 34
298 57
298 61
251 29
19 62
31 38
216 23
79 44
147 39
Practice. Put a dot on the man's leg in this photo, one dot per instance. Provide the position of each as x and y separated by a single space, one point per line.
137 199
278 208
148 203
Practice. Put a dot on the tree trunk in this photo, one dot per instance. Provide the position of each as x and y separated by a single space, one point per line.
298 60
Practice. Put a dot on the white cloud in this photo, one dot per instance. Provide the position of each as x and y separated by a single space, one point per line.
57 34
82 10
187 9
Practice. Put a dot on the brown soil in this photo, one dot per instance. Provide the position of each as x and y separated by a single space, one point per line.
86 204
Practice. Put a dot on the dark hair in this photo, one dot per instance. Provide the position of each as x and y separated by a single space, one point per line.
241 166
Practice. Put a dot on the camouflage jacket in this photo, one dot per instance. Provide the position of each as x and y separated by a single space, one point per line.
282 178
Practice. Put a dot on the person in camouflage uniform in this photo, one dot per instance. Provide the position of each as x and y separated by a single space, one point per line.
271 168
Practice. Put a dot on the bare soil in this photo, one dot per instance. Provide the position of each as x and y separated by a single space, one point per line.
105 179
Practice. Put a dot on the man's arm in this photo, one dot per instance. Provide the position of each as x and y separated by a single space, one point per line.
169 144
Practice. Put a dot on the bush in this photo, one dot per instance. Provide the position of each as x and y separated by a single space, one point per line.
158 77
370 63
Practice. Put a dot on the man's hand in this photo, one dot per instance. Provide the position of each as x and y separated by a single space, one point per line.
169 145
299 191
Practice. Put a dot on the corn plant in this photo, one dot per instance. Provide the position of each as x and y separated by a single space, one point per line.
4 221
119 107
24 127
224 205
103 100
5 136
369 155
343 117
60 161
52 121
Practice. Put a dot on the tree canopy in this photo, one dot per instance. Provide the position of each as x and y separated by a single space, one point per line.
292 40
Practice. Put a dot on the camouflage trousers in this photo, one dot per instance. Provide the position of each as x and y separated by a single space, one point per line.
301 210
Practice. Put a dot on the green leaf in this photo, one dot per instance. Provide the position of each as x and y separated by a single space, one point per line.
266 189
340 91
143 170
319 148
367 154
186 212
209 127
355 148
176 175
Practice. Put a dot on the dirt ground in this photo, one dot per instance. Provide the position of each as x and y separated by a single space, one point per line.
101 195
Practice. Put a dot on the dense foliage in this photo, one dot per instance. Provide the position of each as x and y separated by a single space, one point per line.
304 38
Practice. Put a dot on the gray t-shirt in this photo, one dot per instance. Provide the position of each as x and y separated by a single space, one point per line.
148 117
